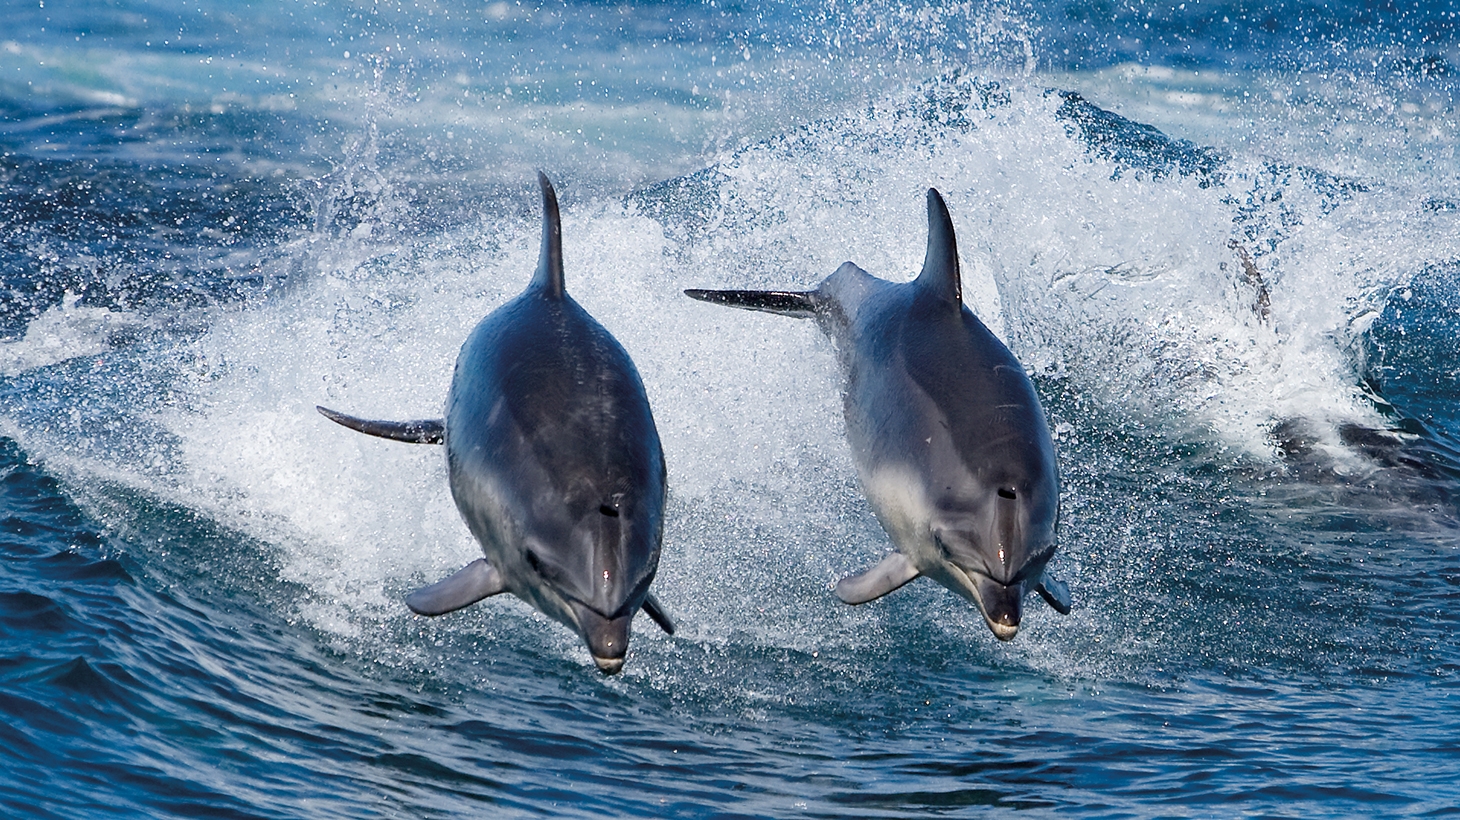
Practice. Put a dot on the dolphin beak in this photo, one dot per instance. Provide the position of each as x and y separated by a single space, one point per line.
607 638
609 666
1002 606
1003 631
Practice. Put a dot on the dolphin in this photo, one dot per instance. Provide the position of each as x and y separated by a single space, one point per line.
948 437
554 461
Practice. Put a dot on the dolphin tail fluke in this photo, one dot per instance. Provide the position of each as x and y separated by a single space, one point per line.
940 274
421 431
465 587
1055 593
801 304
889 574
658 614
549 276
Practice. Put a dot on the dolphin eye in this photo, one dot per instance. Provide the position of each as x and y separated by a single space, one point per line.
611 512
1007 492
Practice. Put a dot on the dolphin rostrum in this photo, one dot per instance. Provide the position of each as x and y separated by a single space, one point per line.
946 432
554 462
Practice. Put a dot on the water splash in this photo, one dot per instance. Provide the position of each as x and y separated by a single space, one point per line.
1167 287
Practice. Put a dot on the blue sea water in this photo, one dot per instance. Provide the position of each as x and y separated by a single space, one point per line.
1223 236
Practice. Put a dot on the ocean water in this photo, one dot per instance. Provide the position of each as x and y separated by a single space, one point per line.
1224 237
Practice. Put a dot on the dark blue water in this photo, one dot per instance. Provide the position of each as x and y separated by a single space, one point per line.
1224 237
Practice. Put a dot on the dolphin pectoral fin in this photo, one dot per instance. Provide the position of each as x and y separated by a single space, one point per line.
656 611
423 431
889 574
800 304
1055 593
465 587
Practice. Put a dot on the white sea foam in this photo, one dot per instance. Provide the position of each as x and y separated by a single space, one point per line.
63 332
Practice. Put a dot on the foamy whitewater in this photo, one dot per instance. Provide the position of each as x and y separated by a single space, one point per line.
1225 244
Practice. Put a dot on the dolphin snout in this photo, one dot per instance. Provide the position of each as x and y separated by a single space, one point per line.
1002 606
607 638
609 666
1002 629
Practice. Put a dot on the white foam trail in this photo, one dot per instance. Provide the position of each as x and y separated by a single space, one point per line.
63 332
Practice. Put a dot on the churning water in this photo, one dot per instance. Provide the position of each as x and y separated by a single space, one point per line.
1226 244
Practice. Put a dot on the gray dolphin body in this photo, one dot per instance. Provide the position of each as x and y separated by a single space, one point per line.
947 434
555 464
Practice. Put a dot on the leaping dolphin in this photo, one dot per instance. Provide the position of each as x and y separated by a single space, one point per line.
947 435
554 462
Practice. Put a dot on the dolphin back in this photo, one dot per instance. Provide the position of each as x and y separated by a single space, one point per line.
946 431
554 463
554 459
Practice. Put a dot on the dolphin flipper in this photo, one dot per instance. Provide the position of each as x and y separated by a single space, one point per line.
465 587
889 574
1055 593
656 612
423 431
801 304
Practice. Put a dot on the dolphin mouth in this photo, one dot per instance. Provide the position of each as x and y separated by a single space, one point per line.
1001 605
607 638
609 666
1004 632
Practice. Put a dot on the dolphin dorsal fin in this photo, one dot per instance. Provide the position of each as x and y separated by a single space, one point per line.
940 274
549 276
